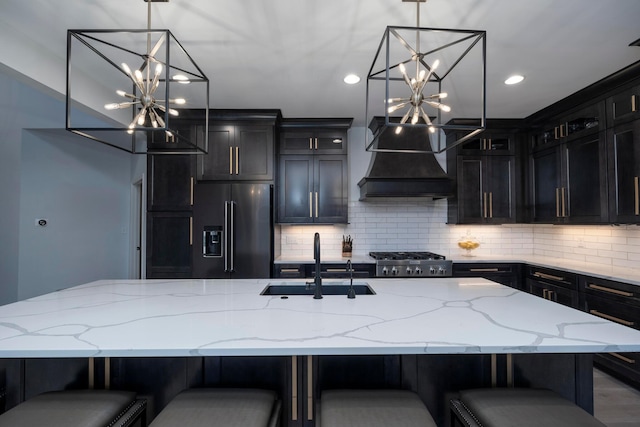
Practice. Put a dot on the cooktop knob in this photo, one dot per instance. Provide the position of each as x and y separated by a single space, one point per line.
418 271
409 271
394 271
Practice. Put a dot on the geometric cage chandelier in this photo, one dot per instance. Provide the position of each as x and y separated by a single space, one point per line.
420 78
141 82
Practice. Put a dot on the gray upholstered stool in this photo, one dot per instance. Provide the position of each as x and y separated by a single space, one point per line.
505 407
373 408
77 408
213 407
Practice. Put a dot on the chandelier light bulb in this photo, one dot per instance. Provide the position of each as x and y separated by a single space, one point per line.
112 106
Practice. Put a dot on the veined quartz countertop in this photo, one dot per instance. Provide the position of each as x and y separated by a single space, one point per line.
154 318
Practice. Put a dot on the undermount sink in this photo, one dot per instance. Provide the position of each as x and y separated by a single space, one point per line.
328 288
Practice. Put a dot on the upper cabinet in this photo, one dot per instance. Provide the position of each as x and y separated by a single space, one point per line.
485 170
170 183
313 175
568 169
241 147
624 106
623 154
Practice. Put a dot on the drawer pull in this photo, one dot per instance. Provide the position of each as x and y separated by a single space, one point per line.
612 318
548 276
623 358
610 290
487 270
336 270
289 270
294 388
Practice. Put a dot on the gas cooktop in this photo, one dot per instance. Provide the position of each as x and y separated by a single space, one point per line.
411 264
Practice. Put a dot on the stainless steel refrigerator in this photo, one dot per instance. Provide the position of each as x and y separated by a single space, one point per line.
233 231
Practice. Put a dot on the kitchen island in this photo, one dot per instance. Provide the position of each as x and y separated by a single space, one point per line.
430 335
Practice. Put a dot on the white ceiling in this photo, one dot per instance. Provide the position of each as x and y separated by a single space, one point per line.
293 54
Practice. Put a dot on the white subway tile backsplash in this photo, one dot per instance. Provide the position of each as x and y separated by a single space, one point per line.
406 224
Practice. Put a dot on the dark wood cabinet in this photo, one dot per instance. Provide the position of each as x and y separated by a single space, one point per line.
169 240
569 182
313 176
623 153
309 141
587 120
170 182
553 285
488 187
624 106
508 274
238 152
618 302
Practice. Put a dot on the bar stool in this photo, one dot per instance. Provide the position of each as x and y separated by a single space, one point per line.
373 408
506 407
213 407
77 408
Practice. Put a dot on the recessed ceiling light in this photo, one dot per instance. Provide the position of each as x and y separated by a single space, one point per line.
515 79
351 79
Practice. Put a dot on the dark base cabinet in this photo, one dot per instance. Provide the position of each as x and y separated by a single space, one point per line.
169 241
620 303
327 270
553 285
506 274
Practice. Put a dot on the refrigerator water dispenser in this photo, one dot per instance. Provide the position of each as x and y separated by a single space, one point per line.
212 241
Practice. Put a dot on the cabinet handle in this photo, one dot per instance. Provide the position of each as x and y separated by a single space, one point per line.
491 204
548 276
557 202
289 270
294 388
612 318
545 293
484 204
336 270
636 185
230 160
555 133
191 231
563 199
310 143
633 104
610 290
623 358
316 204
316 143
191 192
309 388
489 144
310 204
237 158
551 294
484 270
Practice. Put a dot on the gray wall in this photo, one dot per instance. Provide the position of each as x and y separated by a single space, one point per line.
82 187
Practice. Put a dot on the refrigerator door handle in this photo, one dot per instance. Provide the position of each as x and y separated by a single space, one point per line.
232 238
225 237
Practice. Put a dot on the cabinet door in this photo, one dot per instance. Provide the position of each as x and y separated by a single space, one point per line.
624 173
553 293
624 106
218 164
500 188
330 141
296 141
170 184
169 240
586 198
253 155
331 184
546 186
470 189
489 143
295 189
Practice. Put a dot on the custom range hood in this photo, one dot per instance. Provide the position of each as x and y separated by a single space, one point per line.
404 174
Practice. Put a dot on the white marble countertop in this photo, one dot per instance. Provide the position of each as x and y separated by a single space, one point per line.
155 318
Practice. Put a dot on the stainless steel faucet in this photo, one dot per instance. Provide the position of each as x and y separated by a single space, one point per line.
317 280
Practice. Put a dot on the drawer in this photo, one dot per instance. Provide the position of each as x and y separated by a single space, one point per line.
482 269
624 314
292 271
552 276
620 292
